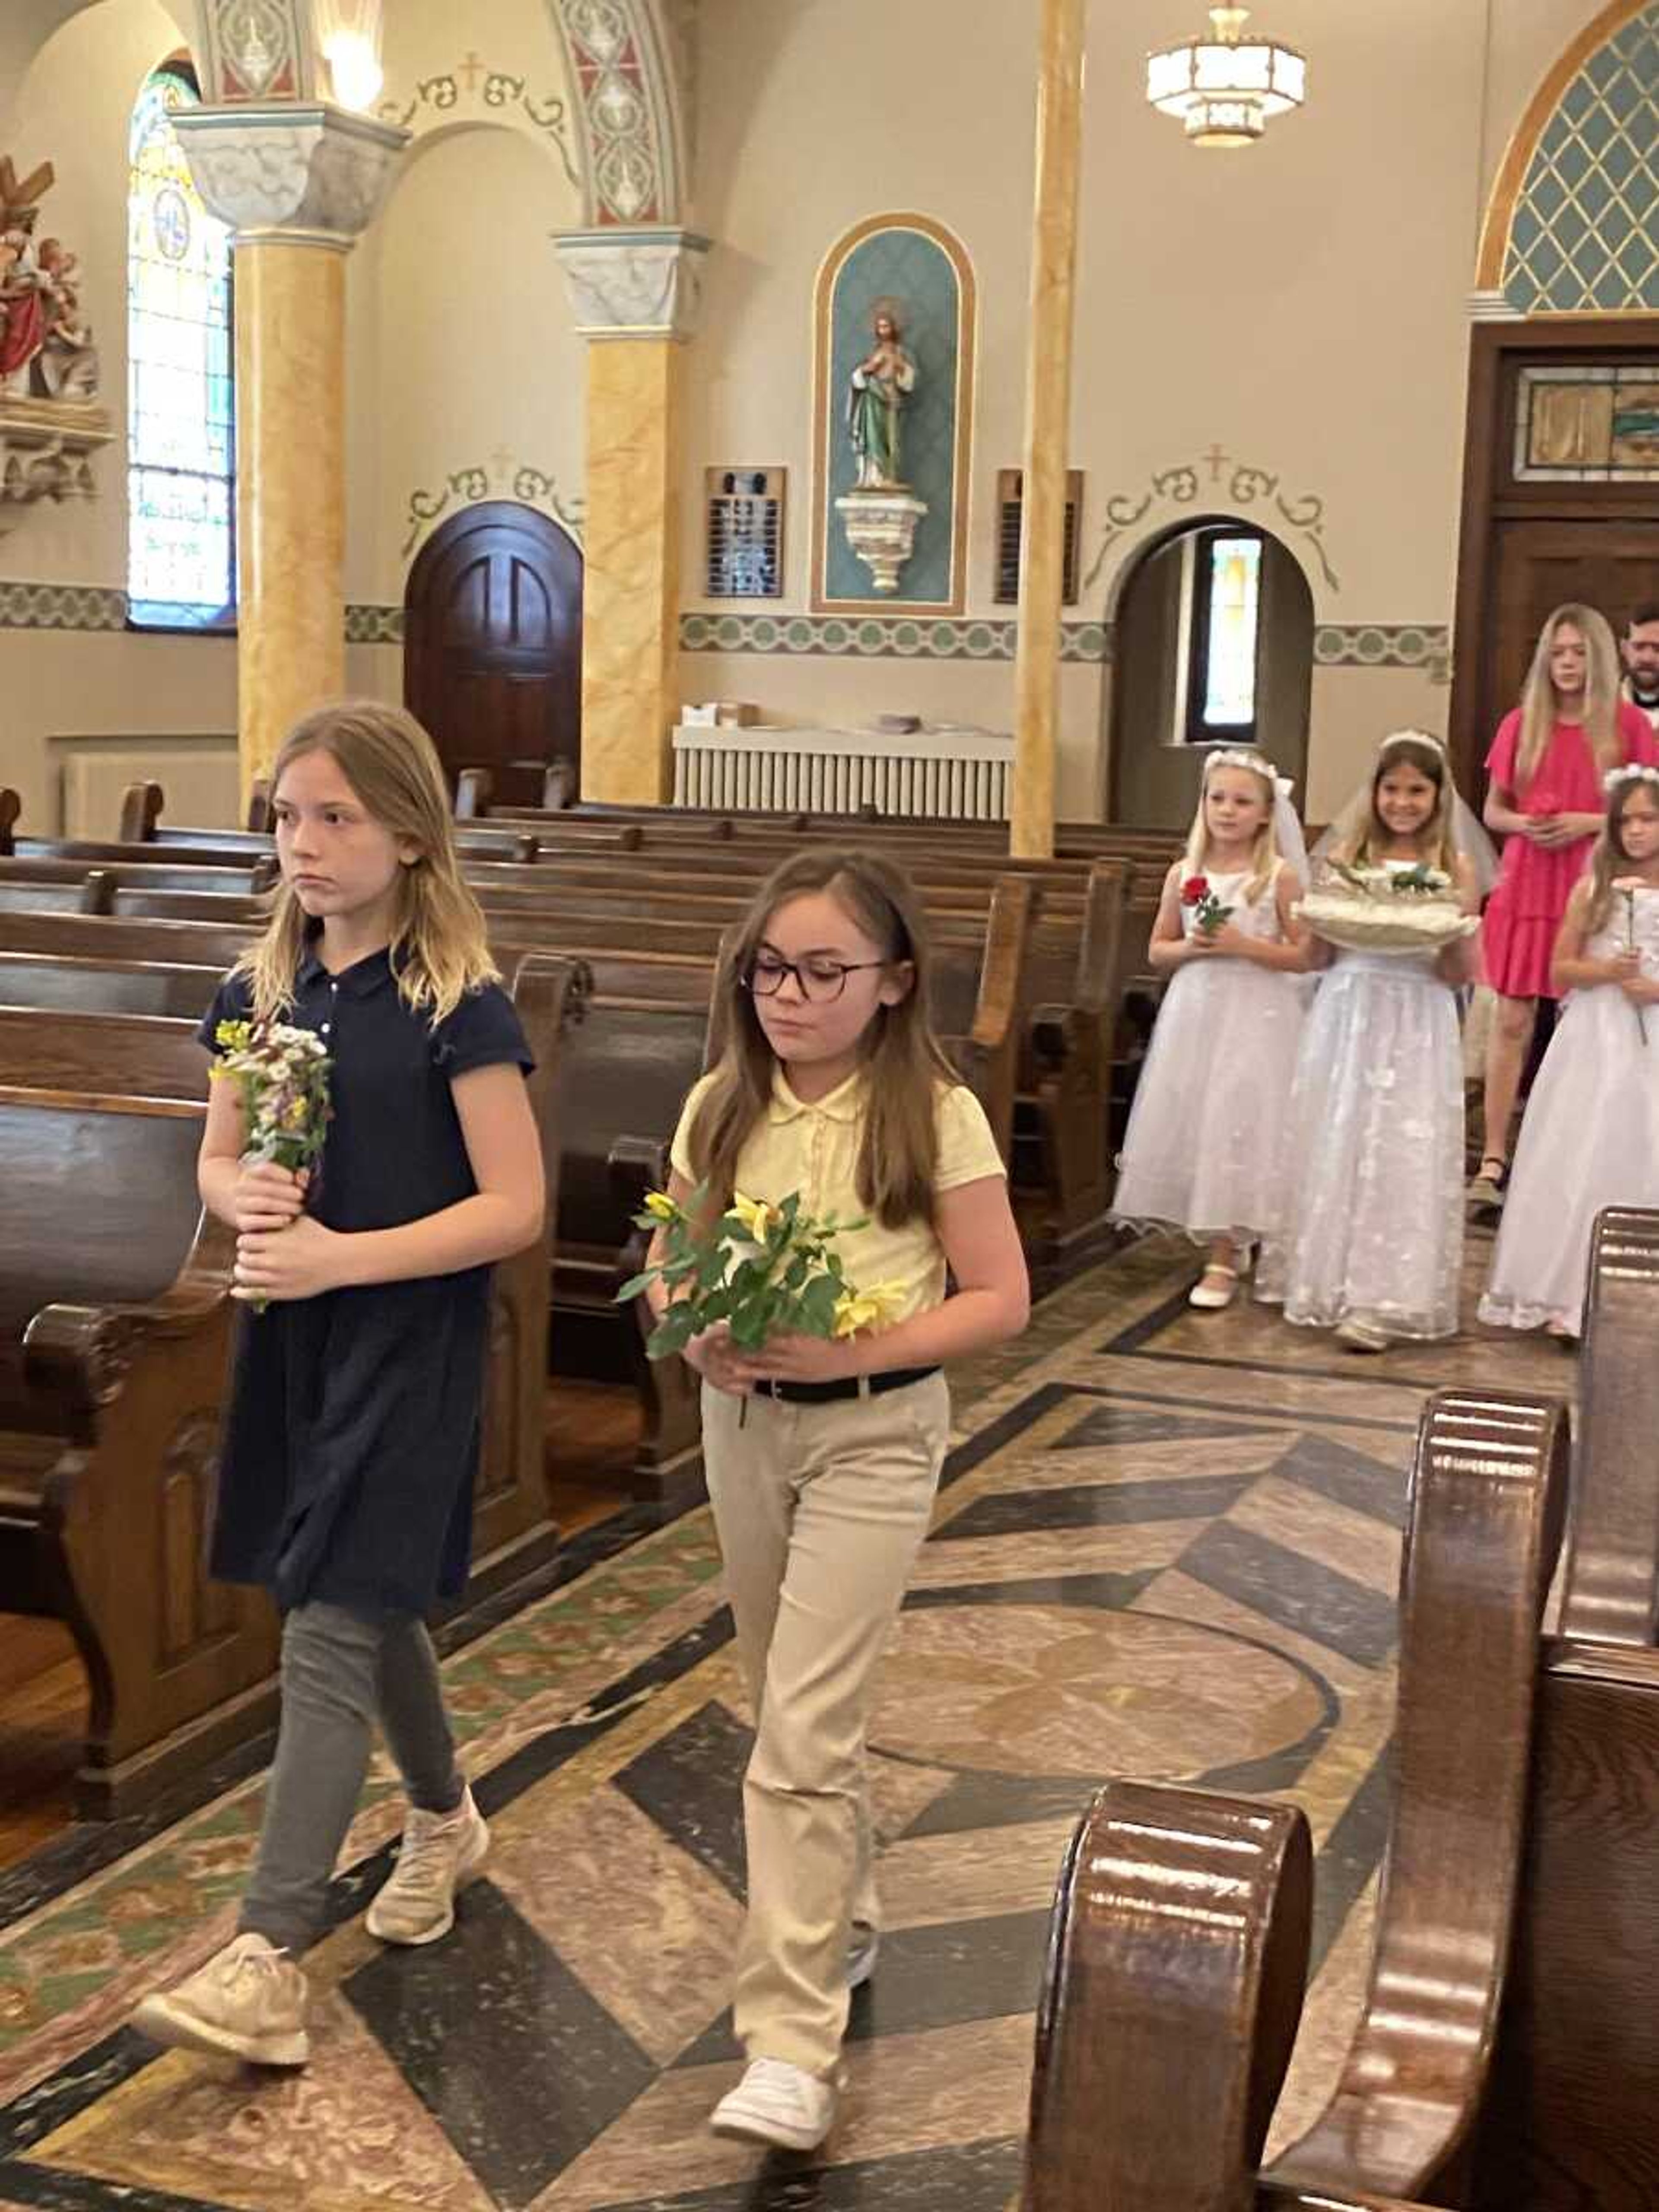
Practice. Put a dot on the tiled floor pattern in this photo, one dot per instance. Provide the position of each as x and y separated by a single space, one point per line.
1167 1546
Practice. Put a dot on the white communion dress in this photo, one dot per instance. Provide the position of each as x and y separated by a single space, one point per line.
1590 1137
1375 1142
1204 1149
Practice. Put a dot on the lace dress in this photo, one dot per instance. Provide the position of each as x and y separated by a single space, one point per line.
1375 1150
1590 1137
1204 1151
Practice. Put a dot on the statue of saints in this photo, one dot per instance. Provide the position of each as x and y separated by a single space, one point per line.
22 308
879 392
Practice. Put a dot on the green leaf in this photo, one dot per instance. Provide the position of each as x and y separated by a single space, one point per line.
635 1284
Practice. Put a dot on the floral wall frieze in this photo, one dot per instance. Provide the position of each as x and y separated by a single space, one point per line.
1215 481
502 477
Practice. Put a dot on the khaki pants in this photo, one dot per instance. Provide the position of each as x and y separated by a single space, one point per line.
821 1511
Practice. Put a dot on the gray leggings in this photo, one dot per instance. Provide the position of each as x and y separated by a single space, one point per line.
342 1670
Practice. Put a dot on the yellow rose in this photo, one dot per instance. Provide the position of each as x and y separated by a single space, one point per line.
658 1204
871 1309
755 1214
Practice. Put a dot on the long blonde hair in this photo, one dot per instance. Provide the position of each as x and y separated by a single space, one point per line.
1360 830
903 1062
1602 692
440 945
1264 854
1609 855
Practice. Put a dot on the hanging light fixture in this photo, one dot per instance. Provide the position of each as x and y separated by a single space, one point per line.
1225 89
348 39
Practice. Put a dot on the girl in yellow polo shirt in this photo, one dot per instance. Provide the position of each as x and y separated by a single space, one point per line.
823 1457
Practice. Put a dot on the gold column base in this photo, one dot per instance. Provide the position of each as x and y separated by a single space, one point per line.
290 489
631 586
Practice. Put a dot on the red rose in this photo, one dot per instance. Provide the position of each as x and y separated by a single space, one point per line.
1194 888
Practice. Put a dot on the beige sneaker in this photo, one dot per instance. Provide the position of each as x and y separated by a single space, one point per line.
249 2001
438 1852
778 2104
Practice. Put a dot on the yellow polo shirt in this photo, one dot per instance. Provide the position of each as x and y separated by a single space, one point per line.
814 1150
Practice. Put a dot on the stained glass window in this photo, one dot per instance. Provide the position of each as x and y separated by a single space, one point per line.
1235 613
181 457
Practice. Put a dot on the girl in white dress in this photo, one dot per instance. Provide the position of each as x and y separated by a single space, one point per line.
1590 1137
1202 1152
1375 1123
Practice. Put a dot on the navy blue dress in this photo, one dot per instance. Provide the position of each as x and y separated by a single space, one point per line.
351 1435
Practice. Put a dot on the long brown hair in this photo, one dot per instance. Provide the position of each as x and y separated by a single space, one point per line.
1362 830
1602 691
1609 855
439 945
904 1064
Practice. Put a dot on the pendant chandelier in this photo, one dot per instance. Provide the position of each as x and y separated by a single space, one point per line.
1225 89
348 39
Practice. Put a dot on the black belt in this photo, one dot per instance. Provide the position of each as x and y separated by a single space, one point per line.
820 1394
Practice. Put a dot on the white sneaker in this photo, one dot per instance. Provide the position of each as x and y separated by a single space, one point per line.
248 2000
416 1905
779 2104
862 1946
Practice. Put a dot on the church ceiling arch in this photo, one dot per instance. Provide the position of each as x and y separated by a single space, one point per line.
1572 225
625 72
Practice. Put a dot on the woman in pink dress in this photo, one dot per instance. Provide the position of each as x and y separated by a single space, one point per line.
1545 798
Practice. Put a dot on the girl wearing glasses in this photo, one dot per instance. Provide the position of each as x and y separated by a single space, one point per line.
823 1457
1203 1153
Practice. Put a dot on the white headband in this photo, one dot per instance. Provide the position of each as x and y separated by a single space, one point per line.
1414 737
1257 763
1632 772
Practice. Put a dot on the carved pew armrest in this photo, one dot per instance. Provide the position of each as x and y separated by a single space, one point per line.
78 1356
1058 1033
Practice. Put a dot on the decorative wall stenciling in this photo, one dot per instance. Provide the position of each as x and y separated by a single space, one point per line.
871 637
621 69
258 50
501 477
1230 483
894 316
471 85
1583 234
51 424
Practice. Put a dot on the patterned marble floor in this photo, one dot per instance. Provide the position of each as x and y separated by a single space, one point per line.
1167 1545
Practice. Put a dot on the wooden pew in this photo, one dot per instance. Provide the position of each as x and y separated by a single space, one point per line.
1112 2116
115 1326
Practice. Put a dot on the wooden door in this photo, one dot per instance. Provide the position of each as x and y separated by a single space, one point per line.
492 646
1613 566
1536 535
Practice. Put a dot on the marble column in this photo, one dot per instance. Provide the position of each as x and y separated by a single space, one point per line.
299 184
1047 426
635 295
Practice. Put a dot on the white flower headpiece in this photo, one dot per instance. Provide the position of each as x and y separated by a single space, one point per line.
1414 737
1632 772
1258 764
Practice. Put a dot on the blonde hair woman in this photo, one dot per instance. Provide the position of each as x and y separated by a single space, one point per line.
1544 796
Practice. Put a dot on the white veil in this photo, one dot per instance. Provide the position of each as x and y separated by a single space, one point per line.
1469 833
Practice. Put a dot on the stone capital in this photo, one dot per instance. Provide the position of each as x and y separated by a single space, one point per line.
633 283
309 173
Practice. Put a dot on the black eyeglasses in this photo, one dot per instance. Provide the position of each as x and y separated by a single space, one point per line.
817 980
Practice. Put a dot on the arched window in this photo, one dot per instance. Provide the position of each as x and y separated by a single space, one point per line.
181 454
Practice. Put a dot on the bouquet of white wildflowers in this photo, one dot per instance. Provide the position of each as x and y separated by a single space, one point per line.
282 1073
764 1270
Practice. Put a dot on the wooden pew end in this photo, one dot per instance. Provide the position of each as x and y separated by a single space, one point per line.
1177 1957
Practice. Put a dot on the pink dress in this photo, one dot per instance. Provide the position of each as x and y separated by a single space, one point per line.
1524 912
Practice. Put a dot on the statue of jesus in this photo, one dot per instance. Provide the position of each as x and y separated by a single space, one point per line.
878 392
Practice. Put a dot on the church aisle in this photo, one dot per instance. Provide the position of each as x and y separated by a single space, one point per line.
1167 1545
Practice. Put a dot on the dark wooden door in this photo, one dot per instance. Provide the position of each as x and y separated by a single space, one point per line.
493 646
1613 566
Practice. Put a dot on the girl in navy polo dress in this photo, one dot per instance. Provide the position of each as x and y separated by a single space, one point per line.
350 1444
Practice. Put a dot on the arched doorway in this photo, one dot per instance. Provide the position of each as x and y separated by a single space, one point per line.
493 646
1214 646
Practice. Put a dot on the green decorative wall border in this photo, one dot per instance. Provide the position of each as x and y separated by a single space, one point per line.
25 605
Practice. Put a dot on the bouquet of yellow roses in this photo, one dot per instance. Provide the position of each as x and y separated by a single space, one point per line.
764 1270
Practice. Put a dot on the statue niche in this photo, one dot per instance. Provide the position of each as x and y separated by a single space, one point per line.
51 422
